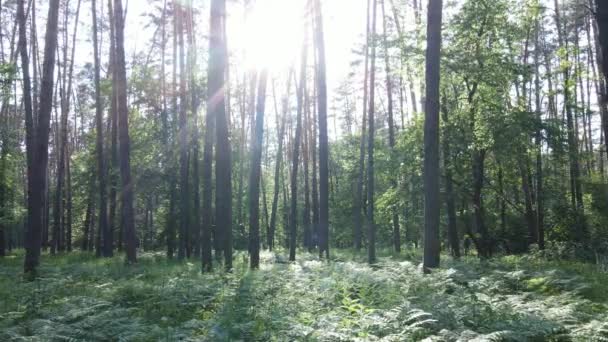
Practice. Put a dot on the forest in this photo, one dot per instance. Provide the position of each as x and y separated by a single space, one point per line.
303 170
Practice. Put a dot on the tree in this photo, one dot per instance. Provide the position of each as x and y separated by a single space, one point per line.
120 82
371 228
40 144
184 249
358 198
101 168
29 118
431 136
293 216
323 139
254 174
391 125
65 91
216 104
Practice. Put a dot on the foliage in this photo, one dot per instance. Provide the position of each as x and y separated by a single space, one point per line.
508 299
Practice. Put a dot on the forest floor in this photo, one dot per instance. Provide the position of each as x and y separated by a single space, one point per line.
512 298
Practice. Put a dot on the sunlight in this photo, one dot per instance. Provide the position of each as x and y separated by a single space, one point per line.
269 34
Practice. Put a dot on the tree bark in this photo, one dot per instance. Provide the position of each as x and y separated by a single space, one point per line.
254 174
38 184
391 125
371 228
183 140
217 106
101 168
323 139
431 137
120 82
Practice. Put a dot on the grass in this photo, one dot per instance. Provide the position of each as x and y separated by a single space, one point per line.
514 298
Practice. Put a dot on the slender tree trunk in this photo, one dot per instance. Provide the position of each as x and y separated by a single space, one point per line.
538 143
29 118
120 82
358 201
39 169
183 140
431 137
323 140
293 217
391 125
217 106
371 228
101 168
449 186
113 174
254 174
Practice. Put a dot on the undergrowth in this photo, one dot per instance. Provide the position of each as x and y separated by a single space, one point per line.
514 298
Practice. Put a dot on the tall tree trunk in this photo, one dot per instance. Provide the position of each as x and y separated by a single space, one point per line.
449 184
27 103
371 228
120 82
391 125
217 106
40 153
323 140
183 140
58 224
538 142
113 174
101 168
358 200
277 171
293 216
576 190
431 137
254 174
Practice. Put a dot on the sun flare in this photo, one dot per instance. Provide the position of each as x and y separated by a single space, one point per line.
269 33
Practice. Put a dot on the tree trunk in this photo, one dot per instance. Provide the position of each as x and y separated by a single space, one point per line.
323 140
101 168
217 107
40 153
183 140
431 137
449 186
293 216
29 118
358 202
371 228
254 174
391 125
538 143
120 82
113 174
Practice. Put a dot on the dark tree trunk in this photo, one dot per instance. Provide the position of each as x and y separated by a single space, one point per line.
449 185
358 200
293 216
183 140
371 228
217 106
538 142
323 139
101 168
113 174
29 118
431 137
38 182
120 82
87 242
254 174
391 125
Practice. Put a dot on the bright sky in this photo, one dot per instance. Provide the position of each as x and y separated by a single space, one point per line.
271 32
